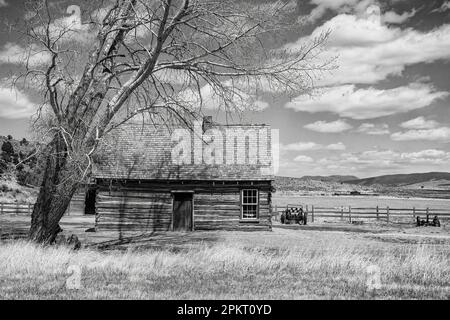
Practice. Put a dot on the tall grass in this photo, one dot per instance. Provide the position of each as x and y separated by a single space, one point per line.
227 270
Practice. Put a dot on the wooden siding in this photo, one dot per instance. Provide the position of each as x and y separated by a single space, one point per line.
77 204
147 206
223 211
133 211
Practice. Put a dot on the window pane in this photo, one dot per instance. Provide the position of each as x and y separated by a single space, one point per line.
249 211
249 203
250 196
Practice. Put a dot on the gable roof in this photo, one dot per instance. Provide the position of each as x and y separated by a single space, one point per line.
149 152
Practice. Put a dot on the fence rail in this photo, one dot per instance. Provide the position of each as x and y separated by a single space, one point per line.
313 212
76 207
16 208
349 213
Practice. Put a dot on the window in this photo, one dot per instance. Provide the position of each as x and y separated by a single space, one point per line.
249 204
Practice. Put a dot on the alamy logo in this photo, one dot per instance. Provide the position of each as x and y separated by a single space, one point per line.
230 145
73 282
373 278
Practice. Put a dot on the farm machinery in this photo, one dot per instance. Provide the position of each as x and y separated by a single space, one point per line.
434 223
293 215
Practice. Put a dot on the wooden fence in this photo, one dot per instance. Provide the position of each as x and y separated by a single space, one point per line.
76 207
16 208
350 214
343 213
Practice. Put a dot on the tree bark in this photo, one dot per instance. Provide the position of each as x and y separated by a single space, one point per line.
56 191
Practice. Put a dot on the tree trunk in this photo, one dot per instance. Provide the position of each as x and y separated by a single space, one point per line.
56 191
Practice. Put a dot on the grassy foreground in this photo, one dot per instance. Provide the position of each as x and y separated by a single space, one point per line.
283 264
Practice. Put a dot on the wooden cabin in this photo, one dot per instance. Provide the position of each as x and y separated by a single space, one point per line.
140 187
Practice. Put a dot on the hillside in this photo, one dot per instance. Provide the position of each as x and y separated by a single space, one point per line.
11 191
402 180
306 185
430 186
333 178
19 170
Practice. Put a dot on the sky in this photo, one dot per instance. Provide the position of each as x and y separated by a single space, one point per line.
384 110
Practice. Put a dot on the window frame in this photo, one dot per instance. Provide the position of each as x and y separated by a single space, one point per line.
256 218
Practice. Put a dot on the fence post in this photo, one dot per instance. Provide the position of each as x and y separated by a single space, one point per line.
1 206
29 209
305 213
342 213
414 212
350 213
276 213
378 216
387 213
428 220
312 213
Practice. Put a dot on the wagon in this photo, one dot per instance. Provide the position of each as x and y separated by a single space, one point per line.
294 215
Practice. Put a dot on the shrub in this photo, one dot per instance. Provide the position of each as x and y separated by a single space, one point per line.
24 142
3 166
7 147
23 177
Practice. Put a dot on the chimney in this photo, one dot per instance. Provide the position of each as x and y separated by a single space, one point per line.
207 123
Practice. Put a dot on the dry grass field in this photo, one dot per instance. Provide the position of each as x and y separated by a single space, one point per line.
318 261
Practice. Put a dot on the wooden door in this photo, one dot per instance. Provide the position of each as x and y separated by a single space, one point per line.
182 212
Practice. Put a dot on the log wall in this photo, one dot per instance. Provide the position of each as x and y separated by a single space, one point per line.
147 206
77 204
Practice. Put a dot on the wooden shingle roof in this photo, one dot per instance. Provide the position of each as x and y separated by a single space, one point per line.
144 152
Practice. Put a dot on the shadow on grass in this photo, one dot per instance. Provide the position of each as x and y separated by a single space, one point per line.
322 227
168 241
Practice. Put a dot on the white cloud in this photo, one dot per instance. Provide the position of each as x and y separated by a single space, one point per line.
71 28
395 18
15 54
3 3
309 146
336 146
322 6
260 105
15 104
445 6
389 160
233 98
348 101
373 129
419 123
329 127
357 7
425 154
302 158
301 146
436 134
368 50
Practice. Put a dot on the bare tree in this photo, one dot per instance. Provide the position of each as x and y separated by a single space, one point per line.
99 68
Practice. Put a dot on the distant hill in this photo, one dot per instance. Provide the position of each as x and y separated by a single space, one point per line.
307 185
333 178
423 185
401 180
